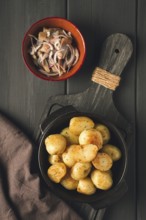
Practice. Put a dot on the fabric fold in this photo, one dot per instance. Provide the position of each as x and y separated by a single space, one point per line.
23 195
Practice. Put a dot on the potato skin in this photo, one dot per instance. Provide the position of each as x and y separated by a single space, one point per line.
56 172
79 153
91 136
102 162
86 186
54 159
88 152
55 144
68 159
80 156
68 182
80 123
112 151
80 170
71 155
104 132
70 137
102 179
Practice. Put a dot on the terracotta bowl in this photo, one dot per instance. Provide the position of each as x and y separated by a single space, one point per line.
53 22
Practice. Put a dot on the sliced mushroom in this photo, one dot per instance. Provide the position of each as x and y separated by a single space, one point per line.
53 51
42 36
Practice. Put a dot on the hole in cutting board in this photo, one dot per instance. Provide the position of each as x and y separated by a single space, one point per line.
117 51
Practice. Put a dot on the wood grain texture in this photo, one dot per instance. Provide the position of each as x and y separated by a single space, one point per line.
23 97
98 99
141 110
103 18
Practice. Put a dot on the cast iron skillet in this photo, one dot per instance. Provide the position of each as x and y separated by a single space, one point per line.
54 123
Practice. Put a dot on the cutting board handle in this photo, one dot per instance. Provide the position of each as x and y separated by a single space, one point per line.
115 53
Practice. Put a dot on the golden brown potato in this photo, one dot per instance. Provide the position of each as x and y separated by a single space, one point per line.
56 172
86 186
75 150
68 182
112 151
71 155
80 170
104 132
91 136
102 179
68 159
79 153
54 159
70 137
55 144
102 162
78 124
87 153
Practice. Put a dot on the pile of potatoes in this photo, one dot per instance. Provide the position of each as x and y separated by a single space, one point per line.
81 157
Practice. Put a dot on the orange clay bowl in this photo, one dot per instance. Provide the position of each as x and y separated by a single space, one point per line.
53 22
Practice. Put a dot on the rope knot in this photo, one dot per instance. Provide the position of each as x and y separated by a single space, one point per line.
105 78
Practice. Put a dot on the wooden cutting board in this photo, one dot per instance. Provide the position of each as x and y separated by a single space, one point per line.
115 54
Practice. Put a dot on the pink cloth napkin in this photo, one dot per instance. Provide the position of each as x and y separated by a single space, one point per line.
22 193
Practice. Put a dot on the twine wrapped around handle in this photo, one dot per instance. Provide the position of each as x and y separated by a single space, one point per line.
105 78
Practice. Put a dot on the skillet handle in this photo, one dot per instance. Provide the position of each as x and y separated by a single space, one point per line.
55 111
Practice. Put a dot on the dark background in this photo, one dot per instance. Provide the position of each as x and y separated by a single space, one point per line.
23 96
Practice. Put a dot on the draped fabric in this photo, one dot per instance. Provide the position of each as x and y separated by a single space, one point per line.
23 195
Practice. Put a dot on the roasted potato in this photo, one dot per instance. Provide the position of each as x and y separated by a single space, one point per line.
102 179
71 155
80 170
87 153
55 144
56 172
102 162
70 137
104 132
86 186
91 136
54 159
78 124
68 159
68 182
80 156
112 151
79 153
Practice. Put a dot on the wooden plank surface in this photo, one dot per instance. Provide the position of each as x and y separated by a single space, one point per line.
141 110
23 96
97 20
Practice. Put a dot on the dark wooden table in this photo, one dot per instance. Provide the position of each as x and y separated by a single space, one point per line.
23 96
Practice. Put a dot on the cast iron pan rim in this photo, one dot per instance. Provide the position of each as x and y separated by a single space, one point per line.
86 199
